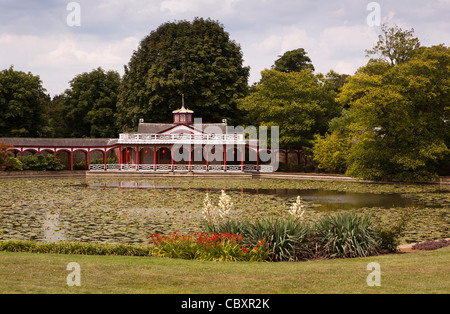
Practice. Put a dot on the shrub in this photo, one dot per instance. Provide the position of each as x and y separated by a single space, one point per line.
79 165
40 163
66 247
100 161
285 237
390 232
347 235
13 164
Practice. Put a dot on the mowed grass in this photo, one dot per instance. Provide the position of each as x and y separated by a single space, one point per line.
427 272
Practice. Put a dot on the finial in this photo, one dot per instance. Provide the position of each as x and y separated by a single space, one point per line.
182 101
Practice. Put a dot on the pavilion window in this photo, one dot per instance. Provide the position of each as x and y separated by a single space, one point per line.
183 118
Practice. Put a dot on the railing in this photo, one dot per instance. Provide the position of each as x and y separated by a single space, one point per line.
136 138
183 167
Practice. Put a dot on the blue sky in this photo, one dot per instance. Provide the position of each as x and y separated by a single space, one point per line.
35 36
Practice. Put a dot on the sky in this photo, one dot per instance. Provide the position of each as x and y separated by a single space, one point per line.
57 39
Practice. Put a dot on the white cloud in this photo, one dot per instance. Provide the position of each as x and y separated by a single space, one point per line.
34 35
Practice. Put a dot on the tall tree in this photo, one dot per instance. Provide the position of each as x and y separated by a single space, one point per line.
22 98
293 61
399 117
197 59
89 104
395 45
298 102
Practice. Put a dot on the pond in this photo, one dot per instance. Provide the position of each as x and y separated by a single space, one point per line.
320 199
130 211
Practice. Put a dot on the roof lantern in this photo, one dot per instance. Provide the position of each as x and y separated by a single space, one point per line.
183 115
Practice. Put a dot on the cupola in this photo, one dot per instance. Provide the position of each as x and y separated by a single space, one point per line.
183 115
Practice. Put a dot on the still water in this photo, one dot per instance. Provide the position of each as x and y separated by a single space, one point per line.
326 200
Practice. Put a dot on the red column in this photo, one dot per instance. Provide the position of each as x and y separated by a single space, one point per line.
88 157
120 156
171 155
154 157
71 159
137 157
104 159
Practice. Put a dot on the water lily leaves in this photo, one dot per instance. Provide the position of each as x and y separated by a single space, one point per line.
99 210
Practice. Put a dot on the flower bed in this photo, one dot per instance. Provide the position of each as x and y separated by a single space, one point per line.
208 247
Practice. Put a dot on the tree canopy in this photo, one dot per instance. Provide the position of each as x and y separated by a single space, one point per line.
293 61
300 103
89 105
397 121
22 98
197 59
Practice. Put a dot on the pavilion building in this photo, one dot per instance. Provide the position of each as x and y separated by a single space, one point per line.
185 145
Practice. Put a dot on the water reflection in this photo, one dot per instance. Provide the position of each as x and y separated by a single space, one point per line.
52 228
321 199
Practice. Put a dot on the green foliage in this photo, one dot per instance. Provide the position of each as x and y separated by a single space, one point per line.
285 237
389 231
100 161
88 107
293 61
40 163
197 59
298 102
347 235
208 247
22 99
79 165
13 164
4 153
80 248
330 152
395 45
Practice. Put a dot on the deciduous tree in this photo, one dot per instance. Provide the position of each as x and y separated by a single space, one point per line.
197 59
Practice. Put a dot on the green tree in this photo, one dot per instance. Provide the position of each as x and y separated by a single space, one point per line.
400 117
298 102
89 105
197 59
293 61
22 98
395 45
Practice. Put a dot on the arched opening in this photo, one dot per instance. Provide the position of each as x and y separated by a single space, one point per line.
64 157
80 158
146 155
29 152
164 156
128 155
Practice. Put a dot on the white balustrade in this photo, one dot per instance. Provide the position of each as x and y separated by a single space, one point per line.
96 167
136 138
178 167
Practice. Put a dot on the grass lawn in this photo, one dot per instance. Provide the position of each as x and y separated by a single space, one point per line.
427 272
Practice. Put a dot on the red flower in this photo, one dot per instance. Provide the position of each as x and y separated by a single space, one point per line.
244 250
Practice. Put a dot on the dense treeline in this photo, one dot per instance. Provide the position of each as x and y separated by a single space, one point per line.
388 121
